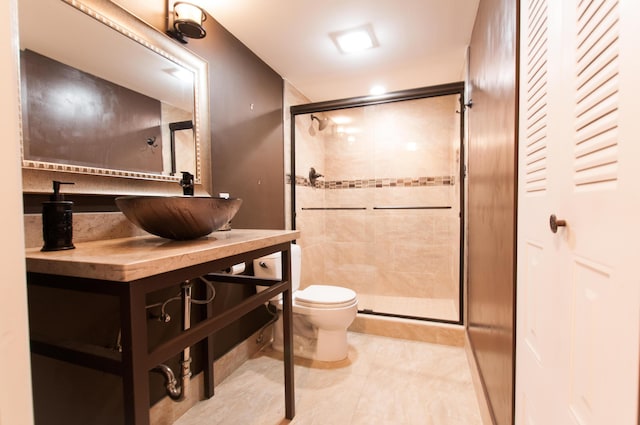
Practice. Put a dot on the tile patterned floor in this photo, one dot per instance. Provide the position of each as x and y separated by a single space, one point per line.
384 381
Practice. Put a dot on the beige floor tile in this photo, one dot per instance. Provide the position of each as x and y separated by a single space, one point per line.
384 381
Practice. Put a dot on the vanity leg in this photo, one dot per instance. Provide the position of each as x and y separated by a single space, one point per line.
134 357
287 324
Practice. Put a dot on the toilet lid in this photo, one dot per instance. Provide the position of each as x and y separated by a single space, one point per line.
325 296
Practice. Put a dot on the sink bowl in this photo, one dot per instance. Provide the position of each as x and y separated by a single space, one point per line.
178 217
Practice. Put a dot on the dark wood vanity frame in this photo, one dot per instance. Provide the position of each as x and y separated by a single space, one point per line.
136 360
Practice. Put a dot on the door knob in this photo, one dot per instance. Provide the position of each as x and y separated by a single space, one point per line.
554 223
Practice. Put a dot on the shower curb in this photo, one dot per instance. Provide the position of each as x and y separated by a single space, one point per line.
415 330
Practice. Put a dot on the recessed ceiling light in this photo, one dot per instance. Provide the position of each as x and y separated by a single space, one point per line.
355 39
412 147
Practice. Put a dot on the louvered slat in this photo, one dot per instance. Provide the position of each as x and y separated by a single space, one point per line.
536 99
596 113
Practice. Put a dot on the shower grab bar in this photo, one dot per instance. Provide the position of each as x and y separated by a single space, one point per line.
414 208
334 208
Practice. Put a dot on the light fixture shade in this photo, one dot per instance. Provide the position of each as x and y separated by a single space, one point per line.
188 19
355 39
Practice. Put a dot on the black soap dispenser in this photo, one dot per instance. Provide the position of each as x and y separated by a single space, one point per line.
57 221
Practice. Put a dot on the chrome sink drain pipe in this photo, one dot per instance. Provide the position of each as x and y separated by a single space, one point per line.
175 390
186 324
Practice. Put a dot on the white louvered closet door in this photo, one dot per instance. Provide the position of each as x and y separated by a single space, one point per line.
578 296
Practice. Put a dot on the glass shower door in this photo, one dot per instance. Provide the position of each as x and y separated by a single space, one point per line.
384 216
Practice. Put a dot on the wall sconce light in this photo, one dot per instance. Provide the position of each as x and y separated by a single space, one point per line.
185 21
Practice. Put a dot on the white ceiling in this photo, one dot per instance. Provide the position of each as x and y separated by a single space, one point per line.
422 42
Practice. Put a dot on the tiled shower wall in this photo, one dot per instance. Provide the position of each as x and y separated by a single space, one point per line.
402 154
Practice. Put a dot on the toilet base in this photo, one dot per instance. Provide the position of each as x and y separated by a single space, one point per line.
312 343
332 345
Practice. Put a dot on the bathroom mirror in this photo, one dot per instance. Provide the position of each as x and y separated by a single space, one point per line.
108 102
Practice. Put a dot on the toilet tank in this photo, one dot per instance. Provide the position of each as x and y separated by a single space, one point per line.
270 267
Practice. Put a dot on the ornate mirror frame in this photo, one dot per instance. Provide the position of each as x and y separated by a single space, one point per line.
37 176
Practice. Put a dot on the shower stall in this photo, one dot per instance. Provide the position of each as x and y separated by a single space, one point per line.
377 193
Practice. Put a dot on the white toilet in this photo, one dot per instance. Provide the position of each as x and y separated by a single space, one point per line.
321 313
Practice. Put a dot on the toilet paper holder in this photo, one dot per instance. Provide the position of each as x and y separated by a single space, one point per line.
235 269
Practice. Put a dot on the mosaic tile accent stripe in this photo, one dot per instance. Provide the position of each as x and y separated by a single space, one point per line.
374 183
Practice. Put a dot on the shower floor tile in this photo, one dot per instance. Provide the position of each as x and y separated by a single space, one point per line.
383 381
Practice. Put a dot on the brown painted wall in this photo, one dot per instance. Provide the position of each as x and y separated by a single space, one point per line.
104 125
247 152
247 139
492 201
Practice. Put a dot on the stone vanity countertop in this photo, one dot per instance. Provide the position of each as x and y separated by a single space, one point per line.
132 258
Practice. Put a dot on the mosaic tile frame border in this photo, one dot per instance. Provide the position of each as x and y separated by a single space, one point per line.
375 183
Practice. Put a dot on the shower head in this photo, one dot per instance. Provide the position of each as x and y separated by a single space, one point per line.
322 123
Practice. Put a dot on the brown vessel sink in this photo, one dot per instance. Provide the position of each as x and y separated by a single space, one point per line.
178 217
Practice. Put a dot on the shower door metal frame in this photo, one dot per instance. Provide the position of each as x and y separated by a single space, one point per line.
455 88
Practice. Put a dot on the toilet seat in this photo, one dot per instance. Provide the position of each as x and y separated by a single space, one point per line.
325 296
